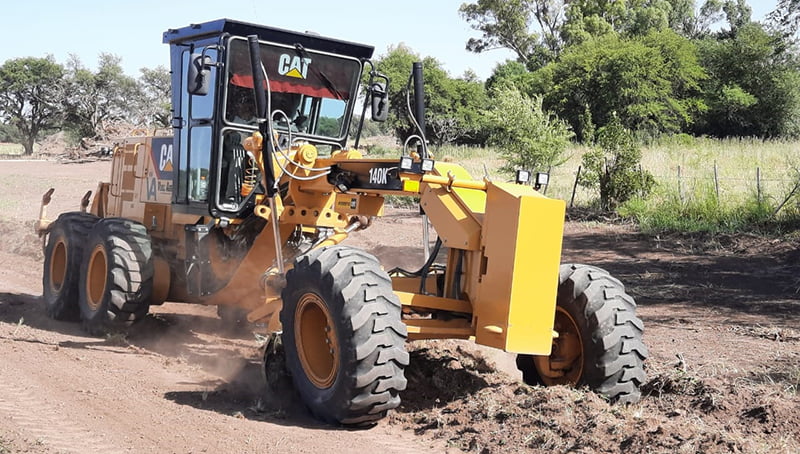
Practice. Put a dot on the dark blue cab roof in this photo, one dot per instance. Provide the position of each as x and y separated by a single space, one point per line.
276 35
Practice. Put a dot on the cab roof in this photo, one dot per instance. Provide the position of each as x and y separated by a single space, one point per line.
272 34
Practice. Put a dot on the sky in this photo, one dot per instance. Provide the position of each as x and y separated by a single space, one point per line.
133 30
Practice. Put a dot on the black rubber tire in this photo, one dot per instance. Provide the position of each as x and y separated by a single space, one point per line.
124 298
65 240
611 334
369 334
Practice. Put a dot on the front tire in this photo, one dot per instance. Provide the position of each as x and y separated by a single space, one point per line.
600 338
343 336
116 275
62 261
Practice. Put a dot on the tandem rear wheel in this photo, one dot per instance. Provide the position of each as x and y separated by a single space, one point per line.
116 276
62 260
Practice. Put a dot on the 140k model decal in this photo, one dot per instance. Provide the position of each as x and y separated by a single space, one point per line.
379 175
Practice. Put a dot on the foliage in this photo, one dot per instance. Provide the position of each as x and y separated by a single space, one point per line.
651 83
505 23
753 87
153 97
453 106
614 168
513 73
528 137
786 17
31 91
8 133
95 99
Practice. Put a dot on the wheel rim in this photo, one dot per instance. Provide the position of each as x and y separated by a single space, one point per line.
58 266
564 366
315 338
96 277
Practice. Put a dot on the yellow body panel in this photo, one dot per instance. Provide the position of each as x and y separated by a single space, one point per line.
456 213
516 293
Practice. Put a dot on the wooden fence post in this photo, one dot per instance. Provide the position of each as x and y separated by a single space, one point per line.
758 184
680 188
549 169
716 181
575 186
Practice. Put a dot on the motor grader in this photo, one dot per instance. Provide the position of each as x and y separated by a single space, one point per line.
246 205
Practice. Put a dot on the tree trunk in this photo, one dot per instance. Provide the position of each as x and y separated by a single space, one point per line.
28 144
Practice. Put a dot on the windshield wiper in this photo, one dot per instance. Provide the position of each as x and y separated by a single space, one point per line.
328 84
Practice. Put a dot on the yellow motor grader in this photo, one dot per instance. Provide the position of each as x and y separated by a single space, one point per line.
246 205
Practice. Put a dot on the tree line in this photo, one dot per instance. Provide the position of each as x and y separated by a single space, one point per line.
39 96
655 66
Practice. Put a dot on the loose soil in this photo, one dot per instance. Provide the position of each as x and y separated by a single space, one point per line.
720 320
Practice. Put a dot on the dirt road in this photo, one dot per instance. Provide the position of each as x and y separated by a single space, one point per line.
721 323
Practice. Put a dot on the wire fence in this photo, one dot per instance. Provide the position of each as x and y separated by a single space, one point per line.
749 183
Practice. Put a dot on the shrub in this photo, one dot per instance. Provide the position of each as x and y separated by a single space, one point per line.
527 136
613 167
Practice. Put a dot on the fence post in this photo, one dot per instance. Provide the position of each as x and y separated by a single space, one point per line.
680 188
575 186
758 185
716 181
549 170
641 177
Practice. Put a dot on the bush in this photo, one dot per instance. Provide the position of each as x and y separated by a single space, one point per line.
613 167
527 136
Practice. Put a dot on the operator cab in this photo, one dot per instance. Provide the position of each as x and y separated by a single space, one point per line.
312 86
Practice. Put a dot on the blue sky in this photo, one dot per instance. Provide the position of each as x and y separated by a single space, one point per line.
133 30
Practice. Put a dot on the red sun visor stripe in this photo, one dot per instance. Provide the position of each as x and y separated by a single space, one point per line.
245 81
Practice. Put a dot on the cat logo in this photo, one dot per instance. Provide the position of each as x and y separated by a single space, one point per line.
165 158
296 66
161 153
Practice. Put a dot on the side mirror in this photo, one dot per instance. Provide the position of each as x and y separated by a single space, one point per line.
198 75
380 101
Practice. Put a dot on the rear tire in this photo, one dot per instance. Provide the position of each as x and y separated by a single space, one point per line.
116 280
343 336
62 261
600 338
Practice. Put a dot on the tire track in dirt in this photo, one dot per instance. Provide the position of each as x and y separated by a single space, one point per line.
44 422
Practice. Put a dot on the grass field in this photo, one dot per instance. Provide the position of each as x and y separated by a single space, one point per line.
702 184
10 150
736 160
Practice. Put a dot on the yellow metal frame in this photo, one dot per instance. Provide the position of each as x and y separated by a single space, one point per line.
504 244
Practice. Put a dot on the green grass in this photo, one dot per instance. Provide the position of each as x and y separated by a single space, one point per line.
11 149
689 203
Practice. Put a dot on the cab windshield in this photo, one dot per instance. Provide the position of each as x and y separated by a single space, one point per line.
311 93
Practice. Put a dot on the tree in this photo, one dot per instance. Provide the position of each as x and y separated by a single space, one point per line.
786 17
452 106
753 87
153 97
507 24
528 137
513 73
97 99
31 92
651 83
